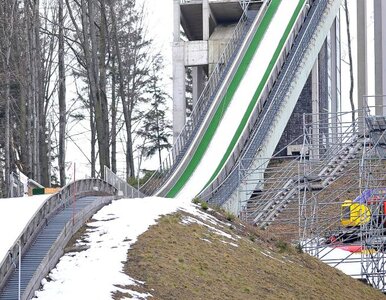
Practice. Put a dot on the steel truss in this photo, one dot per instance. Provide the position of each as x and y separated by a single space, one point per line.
300 197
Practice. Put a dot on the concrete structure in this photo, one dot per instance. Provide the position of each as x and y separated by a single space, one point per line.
208 26
380 54
362 55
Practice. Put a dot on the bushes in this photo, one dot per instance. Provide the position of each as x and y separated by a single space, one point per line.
230 216
202 203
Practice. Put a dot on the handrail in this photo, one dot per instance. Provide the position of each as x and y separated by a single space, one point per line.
50 206
57 249
199 111
121 185
221 189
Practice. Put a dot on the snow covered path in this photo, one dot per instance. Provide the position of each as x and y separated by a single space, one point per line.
14 216
95 272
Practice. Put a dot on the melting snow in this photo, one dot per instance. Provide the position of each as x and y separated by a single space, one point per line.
190 220
14 215
97 271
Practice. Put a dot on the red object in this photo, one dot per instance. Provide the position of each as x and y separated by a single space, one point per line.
351 248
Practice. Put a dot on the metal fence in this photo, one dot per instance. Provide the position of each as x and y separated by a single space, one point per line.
227 182
124 189
46 211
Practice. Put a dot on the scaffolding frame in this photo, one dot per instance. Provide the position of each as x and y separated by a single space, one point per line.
299 198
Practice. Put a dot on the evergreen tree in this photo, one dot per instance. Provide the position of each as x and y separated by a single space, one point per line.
156 128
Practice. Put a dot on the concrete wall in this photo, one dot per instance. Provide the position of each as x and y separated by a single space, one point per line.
217 42
294 126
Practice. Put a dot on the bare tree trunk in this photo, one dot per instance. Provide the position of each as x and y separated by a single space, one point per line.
95 87
29 94
113 118
104 122
7 124
125 105
93 141
9 11
350 62
62 99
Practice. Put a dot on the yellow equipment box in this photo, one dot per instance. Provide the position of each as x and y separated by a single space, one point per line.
354 214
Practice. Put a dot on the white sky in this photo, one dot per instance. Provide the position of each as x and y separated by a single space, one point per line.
160 29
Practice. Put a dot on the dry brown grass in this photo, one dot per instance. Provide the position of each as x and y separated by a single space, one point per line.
179 261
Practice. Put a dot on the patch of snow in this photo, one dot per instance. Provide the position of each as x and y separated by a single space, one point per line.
232 244
15 213
190 220
97 271
206 240
195 211
268 254
334 257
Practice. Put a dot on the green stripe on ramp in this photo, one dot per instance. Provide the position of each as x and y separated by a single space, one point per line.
208 135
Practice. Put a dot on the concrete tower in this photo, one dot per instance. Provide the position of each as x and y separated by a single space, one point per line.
362 55
208 26
380 54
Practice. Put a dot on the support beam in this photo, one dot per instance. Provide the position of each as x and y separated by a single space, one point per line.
179 88
380 55
198 75
176 20
205 19
179 102
334 77
362 56
315 110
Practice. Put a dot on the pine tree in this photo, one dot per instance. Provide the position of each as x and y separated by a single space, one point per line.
156 128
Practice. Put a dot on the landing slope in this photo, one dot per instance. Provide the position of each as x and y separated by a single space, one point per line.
198 257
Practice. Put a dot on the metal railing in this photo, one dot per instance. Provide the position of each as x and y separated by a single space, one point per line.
44 213
200 110
227 182
57 248
124 189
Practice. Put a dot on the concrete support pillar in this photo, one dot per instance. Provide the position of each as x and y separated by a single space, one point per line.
179 99
362 57
179 102
380 55
335 77
205 19
198 75
176 20
315 111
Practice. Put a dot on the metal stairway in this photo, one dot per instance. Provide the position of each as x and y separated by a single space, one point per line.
268 209
31 260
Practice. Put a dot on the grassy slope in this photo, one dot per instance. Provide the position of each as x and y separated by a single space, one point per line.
190 261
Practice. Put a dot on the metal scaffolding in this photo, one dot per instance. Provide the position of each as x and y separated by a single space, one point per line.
304 198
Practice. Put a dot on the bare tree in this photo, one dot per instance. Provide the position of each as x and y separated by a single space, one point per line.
62 98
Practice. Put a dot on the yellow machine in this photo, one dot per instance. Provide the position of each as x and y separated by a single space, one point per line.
354 214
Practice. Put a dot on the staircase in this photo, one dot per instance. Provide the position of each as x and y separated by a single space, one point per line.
31 261
264 209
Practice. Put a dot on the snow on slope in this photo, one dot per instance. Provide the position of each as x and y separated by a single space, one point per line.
238 106
95 272
14 216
